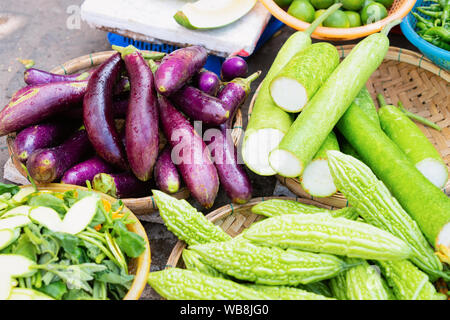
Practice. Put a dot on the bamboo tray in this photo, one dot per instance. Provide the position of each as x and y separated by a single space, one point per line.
233 219
421 86
140 266
139 206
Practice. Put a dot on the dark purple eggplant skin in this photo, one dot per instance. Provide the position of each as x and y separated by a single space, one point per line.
141 127
120 185
36 103
36 76
98 113
49 164
86 170
200 106
208 82
43 135
190 154
233 67
178 67
166 174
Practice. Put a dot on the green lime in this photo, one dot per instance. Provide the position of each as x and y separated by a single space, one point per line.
322 4
302 10
283 3
353 5
373 12
318 14
353 18
386 3
337 19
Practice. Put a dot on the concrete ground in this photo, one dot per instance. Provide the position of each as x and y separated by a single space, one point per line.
50 33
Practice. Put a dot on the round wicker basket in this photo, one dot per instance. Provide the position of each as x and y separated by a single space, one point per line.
139 206
421 86
233 219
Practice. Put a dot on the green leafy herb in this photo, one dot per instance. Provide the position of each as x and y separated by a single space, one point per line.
55 289
9 188
129 242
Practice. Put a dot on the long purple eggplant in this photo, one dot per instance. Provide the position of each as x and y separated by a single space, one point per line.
37 103
192 156
37 76
198 105
232 175
86 170
167 178
141 128
178 67
120 185
98 116
39 136
49 164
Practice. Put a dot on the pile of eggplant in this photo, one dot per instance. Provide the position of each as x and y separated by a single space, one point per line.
129 125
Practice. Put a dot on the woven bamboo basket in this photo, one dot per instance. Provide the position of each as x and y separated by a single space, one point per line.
421 86
139 206
140 266
233 219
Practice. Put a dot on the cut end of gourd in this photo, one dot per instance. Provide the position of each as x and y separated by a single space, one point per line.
288 94
285 163
443 240
317 179
6 236
257 147
434 170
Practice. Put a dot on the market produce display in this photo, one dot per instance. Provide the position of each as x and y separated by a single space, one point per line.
108 127
69 245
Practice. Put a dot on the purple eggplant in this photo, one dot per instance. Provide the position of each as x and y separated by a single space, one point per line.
189 154
120 185
167 178
86 170
233 67
98 113
178 67
232 175
36 103
141 128
37 76
43 135
198 105
208 82
49 164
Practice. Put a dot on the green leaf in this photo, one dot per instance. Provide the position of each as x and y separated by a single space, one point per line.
129 242
55 289
77 294
99 217
48 200
9 188
25 247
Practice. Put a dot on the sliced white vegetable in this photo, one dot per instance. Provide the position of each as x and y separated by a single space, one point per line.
285 163
20 196
20 210
27 294
80 215
16 265
444 236
8 236
257 147
47 217
434 170
5 286
207 14
14 222
317 180
289 94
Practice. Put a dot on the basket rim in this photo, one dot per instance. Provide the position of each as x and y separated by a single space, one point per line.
342 34
229 209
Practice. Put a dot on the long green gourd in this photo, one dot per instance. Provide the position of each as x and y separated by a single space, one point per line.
408 282
364 283
323 111
319 287
268 123
287 293
303 75
276 207
372 199
325 234
338 286
182 284
269 265
413 142
193 262
186 222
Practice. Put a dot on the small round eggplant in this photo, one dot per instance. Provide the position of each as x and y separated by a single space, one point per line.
233 67
85 171
208 82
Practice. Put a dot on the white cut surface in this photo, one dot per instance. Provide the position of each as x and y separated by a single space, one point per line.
444 236
434 170
17 211
285 163
317 179
153 21
80 215
14 222
288 94
6 236
16 265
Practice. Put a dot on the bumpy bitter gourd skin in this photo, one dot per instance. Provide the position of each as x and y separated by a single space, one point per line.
182 284
287 293
377 206
338 286
323 233
186 222
408 282
268 265
193 262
